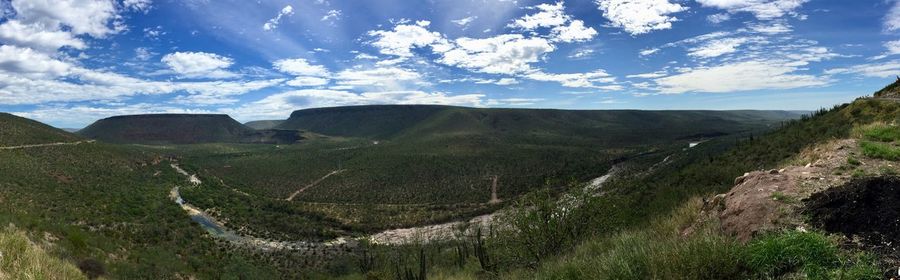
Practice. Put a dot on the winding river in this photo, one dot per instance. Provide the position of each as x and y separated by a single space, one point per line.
428 233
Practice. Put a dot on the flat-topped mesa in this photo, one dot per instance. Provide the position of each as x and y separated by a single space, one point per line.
180 129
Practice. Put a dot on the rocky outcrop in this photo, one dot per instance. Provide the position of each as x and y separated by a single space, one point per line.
773 199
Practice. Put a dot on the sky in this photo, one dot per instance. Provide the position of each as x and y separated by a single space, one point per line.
70 62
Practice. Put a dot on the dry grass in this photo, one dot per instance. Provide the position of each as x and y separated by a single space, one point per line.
22 259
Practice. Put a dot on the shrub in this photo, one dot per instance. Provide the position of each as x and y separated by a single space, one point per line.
880 150
810 254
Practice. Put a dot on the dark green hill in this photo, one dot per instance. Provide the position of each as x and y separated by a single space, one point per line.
166 129
263 124
16 130
371 121
182 129
428 122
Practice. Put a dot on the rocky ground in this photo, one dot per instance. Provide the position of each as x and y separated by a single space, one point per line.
807 192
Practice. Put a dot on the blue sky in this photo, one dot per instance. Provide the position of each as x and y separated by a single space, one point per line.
70 62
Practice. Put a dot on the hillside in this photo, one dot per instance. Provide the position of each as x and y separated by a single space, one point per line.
425 122
890 91
104 208
666 221
263 124
373 121
181 129
16 130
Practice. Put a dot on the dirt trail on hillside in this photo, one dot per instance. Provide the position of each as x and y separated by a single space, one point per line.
291 197
494 198
47 145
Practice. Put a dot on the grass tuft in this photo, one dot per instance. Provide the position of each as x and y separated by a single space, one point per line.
22 259
880 150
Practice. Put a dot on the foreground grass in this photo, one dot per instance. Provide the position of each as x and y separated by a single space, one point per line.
880 150
21 259
664 251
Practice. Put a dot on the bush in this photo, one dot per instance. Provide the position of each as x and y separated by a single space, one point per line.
92 268
880 150
809 254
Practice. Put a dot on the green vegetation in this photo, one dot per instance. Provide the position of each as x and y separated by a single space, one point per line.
880 150
436 168
181 129
890 91
878 131
109 204
16 131
628 214
20 258
811 255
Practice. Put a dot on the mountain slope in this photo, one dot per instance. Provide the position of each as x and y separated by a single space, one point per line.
890 91
371 121
429 121
16 130
166 129
183 129
263 124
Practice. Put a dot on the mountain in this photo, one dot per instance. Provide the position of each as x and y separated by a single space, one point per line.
890 91
16 130
429 121
263 124
181 129
372 121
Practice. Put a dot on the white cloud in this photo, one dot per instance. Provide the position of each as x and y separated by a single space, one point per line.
93 17
382 78
513 101
273 22
138 5
718 47
550 15
892 19
300 67
650 51
404 38
761 9
464 22
740 76
575 80
640 16
651 75
771 28
562 27
574 32
718 18
153 33
307 82
199 64
29 63
365 56
282 104
142 53
503 54
581 53
888 69
331 15
37 36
